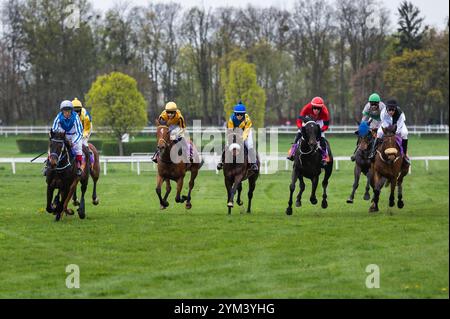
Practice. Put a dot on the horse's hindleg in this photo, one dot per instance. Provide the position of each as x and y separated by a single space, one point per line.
56 200
357 173
298 202
50 208
400 203
168 190
228 185
194 173
74 198
291 190
236 182
251 189
238 200
378 182
95 199
81 208
159 181
328 171
315 183
69 194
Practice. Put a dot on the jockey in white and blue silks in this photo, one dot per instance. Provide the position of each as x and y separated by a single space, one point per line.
392 115
68 121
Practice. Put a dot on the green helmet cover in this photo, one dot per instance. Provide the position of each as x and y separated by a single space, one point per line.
374 98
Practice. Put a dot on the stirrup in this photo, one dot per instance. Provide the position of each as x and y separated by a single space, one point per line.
219 166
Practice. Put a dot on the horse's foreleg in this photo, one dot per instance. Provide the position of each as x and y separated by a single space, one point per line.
239 189
328 171
357 174
74 198
56 200
291 190
377 182
95 199
95 174
236 182
315 183
178 198
251 188
298 202
50 208
168 190
159 181
366 193
194 173
392 181
69 194
228 185
81 209
400 203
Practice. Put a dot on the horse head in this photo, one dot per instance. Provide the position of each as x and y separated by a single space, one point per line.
57 145
310 131
163 137
389 145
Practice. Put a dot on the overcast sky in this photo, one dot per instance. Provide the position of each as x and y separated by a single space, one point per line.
434 11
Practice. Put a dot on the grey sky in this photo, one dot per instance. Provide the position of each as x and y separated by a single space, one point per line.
434 11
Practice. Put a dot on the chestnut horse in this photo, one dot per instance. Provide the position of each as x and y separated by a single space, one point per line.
388 167
94 172
235 171
173 170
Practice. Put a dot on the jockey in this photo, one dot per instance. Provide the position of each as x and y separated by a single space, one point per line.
86 121
371 114
392 115
68 121
172 117
318 111
240 119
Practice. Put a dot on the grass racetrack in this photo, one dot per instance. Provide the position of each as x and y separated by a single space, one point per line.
128 248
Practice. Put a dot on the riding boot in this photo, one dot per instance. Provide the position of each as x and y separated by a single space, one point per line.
374 149
323 146
79 160
155 156
252 160
405 150
294 146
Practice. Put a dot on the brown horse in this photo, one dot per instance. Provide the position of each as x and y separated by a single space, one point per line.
362 161
92 169
236 169
61 175
170 167
388 167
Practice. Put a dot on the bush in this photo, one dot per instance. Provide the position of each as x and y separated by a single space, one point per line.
112 148
37 145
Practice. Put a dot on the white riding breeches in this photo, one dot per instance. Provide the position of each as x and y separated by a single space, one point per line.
402 131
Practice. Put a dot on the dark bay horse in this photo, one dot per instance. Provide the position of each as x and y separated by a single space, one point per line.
61 175
236 170
92 169
175 170
388 168
307 163
362 161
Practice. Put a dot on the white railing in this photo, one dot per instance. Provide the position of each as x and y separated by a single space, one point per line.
210 162
334 129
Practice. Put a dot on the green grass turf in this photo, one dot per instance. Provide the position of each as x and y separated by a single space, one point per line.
341 145
128 248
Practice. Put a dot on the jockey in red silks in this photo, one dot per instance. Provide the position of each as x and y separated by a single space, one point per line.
318 111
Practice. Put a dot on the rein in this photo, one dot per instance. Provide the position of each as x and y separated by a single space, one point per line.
61 156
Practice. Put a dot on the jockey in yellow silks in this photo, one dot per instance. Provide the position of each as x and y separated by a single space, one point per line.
86 122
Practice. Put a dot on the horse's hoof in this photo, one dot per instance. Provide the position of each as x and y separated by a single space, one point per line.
58 217
50 210
188 205
162 207
366 196
298 203
82 215
76 203
324 204
289 211
69 212
95 201
400 204
391 203
349 201
313 201
248 212
240 203
183 198
373 209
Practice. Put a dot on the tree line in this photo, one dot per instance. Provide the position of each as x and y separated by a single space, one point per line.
344 50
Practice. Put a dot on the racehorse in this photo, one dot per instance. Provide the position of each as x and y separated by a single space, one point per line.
94 171
388 167
170 170
61 174
362 161
236 169
307 163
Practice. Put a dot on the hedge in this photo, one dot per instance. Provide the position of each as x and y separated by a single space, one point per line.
37 145
112 148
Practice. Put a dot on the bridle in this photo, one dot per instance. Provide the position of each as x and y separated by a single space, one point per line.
311 149
389 161
60 156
